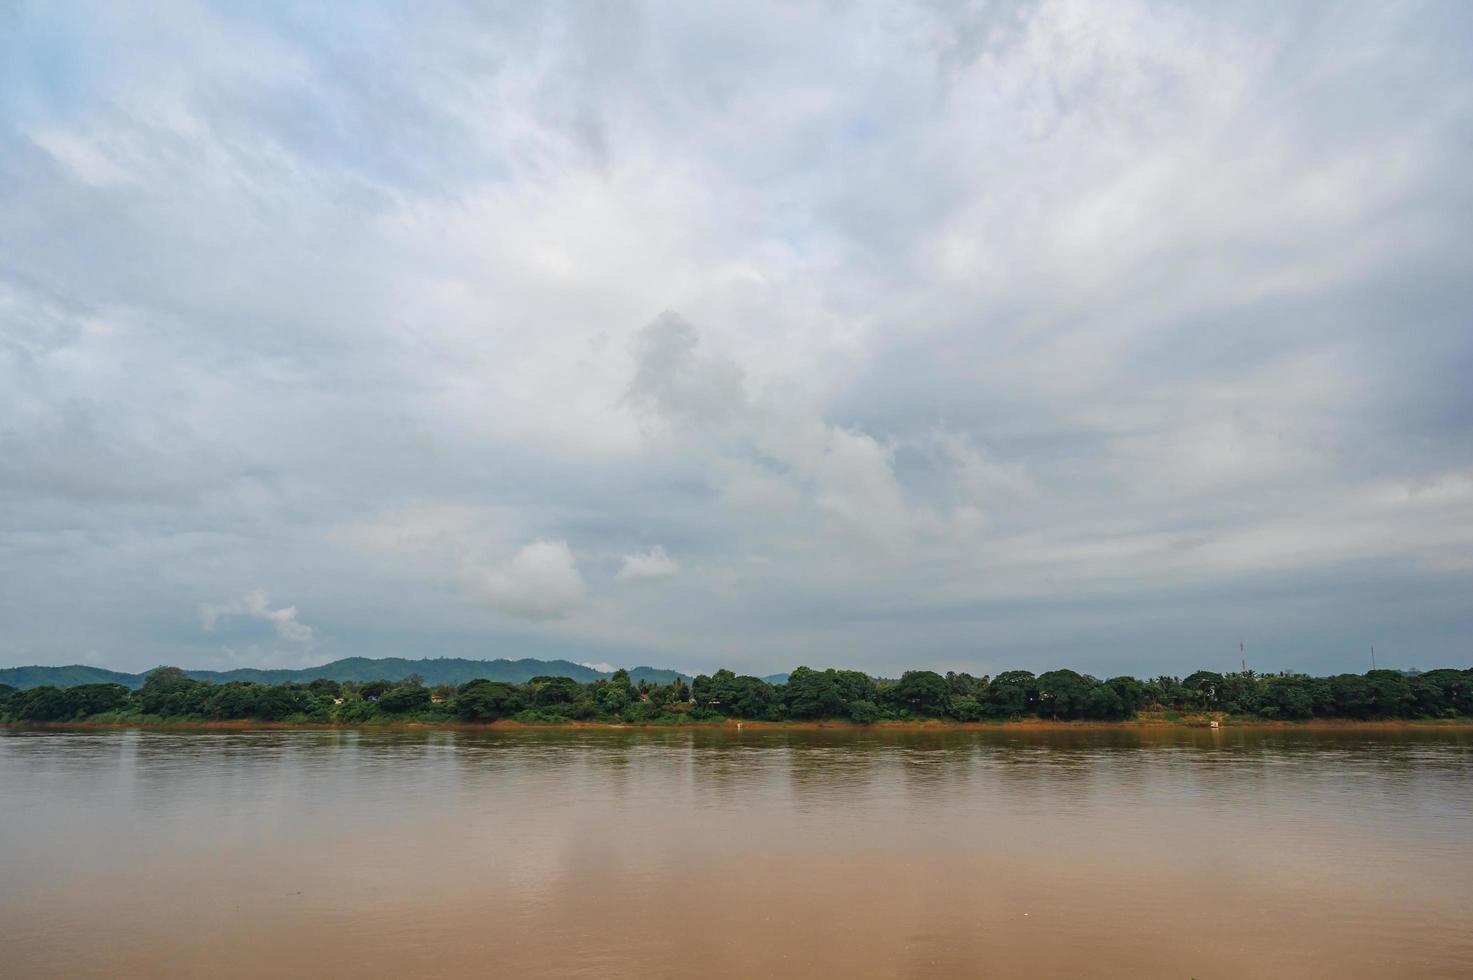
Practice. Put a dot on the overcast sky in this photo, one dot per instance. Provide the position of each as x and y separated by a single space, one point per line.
959 335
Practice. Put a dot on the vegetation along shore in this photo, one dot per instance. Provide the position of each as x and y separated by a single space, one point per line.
919 697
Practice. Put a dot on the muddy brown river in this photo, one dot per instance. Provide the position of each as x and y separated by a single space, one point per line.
773 853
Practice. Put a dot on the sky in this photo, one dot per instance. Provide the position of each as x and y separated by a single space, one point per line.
961 335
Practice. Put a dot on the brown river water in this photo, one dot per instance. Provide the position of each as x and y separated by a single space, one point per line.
776 853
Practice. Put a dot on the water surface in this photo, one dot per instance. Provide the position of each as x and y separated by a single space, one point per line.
608 853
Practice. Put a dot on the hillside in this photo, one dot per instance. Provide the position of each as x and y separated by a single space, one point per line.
441 670
73 676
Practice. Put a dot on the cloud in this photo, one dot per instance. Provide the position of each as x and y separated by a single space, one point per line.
984 479
81 156
674 380
846 473
256 604
749 486
857 488
648 566
1050 331
541 581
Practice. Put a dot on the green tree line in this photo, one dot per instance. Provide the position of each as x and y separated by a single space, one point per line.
809 695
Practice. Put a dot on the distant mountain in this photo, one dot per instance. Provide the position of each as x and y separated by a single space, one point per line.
445 670
442 670
656 675
776 678
65 676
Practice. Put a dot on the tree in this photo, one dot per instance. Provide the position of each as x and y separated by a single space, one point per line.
700 689
1012 693
614 698
1205 685
1102 702
1287 696
967 708
923 691
1241 693
97 699
1391 693
49 703
1131 692
552 691
1442 693
1063 694
717 691
165 680
1351 696
1166 692
233 699
483 700
811 694
404 699
352 712
45 703
282 701
168 692
964 685
853 685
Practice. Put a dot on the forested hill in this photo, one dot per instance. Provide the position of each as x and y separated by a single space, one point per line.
443 670
73 676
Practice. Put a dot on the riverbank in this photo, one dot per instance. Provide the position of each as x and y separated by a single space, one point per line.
1145 722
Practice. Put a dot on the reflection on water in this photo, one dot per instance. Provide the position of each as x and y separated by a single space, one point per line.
780 853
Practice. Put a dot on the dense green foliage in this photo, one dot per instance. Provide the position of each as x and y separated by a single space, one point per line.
169 693
438 670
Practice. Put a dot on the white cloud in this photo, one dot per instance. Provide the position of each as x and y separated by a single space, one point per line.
847 474
541 581
746 486
82 156
985 480
857 487
648 566
256 604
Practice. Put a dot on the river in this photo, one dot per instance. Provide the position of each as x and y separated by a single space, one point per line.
719 853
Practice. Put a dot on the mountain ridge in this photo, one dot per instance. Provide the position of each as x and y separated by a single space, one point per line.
434 670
